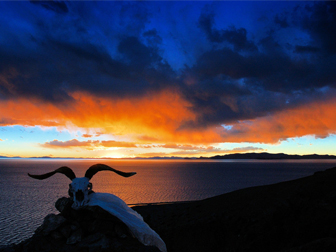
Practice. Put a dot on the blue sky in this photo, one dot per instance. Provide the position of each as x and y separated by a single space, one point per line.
125 79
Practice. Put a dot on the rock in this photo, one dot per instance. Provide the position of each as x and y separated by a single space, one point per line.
63 203
91 240
75 237
50 223
56 235
121 230
66 231
90 229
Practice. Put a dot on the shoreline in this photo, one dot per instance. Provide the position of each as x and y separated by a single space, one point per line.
233 156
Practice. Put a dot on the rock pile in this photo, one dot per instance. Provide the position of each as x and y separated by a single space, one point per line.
91 229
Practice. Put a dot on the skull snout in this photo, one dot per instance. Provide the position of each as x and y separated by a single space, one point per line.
79 191
79 196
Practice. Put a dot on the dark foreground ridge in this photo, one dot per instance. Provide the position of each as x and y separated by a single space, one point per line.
298 215
292 216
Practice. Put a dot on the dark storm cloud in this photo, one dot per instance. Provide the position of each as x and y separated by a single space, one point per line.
305 49
115 49
268 79
56 6
320 21
49 64
273 71
281 20
236 37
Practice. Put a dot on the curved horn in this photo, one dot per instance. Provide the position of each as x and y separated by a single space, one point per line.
101 167
64 170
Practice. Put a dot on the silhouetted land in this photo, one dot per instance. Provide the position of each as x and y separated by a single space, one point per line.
265 155
292 216
298 215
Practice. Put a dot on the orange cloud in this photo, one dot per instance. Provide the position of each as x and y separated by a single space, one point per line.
157 118
87 135
90 144
30 113
111 143
317 118
69 144
155 115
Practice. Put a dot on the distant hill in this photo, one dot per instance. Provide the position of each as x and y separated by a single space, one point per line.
265 155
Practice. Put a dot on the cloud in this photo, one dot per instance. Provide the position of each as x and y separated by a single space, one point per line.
69 144
320 21
305 49
79 61
234 36
90 144
184 147
56 6
281 20
160 118
63 65
146 138
315 119
111 143
87 135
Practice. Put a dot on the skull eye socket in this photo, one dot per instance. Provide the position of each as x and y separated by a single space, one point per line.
70 191
79 195
70 194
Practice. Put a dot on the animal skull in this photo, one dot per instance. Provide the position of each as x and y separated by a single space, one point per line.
80 188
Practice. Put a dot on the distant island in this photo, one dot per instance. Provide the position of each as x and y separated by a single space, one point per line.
252 155
265 155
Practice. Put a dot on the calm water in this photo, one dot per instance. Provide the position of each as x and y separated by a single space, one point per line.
25 202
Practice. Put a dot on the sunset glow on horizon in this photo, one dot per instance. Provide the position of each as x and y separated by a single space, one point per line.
160 79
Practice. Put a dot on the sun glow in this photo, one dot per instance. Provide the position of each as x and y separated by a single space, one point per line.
146 127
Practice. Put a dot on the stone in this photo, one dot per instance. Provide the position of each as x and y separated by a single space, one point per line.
121 231
66 231
50 223
91 239
62 203
75 237
56 235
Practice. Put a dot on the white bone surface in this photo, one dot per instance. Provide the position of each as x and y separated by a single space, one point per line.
80 184
117 207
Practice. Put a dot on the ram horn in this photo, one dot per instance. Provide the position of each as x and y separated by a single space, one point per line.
64 170
101 167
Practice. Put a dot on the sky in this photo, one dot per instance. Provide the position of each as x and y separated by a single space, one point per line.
121 79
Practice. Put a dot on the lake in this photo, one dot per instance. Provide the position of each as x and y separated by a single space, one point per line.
25 201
